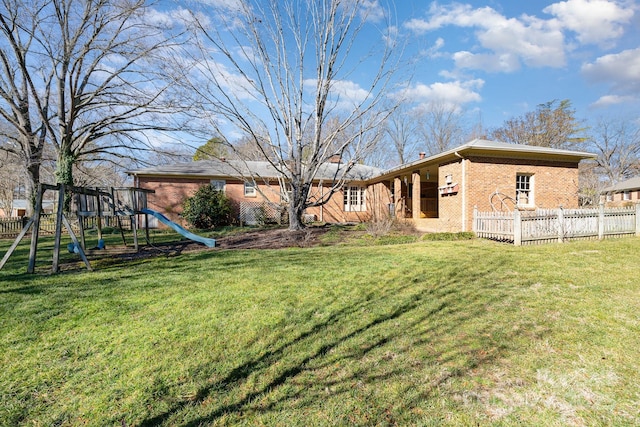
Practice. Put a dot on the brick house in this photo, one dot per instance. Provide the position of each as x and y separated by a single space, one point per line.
254 185
436 193
439 193
622 194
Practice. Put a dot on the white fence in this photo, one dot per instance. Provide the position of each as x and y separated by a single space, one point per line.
556 225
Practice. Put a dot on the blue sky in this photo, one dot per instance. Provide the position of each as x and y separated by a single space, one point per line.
503 58
499 59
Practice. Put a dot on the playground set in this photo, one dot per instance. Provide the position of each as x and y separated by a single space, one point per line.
101 205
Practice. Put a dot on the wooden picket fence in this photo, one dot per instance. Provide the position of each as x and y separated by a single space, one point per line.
11 226
556 225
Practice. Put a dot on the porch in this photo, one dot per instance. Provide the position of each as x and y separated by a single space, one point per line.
416 195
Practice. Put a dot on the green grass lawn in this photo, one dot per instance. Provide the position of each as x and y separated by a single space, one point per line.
426 333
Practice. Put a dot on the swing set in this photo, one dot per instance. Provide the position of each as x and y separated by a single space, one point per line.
94 203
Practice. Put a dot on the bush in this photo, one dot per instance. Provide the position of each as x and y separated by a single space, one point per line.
208 208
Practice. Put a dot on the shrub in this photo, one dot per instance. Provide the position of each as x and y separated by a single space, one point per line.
207 208
380 226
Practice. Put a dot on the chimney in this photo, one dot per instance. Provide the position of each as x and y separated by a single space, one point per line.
422 154
335 158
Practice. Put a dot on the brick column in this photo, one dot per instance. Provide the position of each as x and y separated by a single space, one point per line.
415 194
397 197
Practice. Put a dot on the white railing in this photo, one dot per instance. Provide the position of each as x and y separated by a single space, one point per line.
556 225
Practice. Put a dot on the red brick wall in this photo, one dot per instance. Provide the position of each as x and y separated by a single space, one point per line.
378 200
170 194
333 210
554 183
450 205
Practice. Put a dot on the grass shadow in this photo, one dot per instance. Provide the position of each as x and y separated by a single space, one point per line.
435 310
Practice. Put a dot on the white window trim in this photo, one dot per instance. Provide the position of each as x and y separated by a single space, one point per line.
355 199
250 189
530 192
626 195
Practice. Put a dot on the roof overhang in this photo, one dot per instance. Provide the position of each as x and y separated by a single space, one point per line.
484 148
259 170
632 184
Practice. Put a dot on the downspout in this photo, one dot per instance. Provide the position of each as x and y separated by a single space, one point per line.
464 191
321 198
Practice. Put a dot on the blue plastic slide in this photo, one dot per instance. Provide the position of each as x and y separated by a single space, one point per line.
189 235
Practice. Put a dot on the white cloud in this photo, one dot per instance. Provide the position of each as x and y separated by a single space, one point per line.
461 15
504 62
391 36
344 94
175 18
609 100
434 50
371 10
595 21
227 4
158 18
508 41
620 70
452 94
214 75
348 94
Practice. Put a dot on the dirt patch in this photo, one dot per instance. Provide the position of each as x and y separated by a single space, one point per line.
273 239
277 238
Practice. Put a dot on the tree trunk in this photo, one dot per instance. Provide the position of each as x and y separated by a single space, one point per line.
64 175
295 218
64 168
31 186
297 206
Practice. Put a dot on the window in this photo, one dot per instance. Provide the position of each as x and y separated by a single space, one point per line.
249 189
218 185
626 195
609 197
354 199
524 190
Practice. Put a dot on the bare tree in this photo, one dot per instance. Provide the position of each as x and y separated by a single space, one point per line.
85 75
277 70
590 183
553 124
441 127
617 144
401 132
10 179
21 108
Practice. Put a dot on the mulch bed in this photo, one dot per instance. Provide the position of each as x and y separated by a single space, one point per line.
278 238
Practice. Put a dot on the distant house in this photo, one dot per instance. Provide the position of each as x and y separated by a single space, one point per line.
622 194
18 208
436 193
